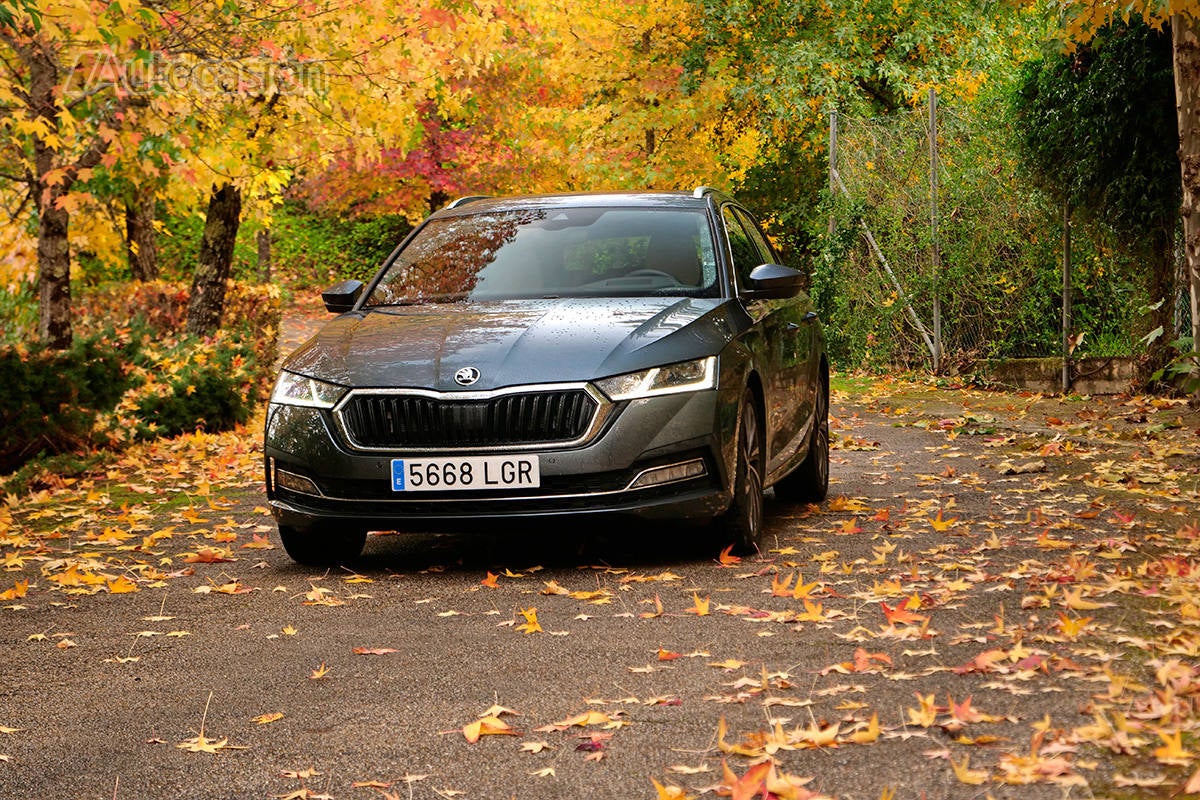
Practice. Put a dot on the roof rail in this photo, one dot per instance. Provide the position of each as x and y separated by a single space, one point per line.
462 201
700 191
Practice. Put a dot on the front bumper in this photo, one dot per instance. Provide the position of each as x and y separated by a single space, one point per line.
639 437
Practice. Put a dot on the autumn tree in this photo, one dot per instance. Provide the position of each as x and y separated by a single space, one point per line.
610 100
55 127
345 80
793 63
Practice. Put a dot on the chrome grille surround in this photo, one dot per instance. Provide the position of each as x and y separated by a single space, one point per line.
479 409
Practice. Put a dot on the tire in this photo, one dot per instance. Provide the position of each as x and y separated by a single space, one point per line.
809 481
742 524
322 545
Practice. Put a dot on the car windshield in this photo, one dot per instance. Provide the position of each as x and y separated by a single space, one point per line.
554 252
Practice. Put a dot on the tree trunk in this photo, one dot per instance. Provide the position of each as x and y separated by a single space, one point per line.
263 240
1162 292
140 238
54 276
1185 36
53 246
207 302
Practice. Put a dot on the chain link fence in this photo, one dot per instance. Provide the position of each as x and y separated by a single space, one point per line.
994 273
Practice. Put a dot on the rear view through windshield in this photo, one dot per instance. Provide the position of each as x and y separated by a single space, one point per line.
571 252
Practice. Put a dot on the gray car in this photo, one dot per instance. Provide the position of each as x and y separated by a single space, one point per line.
639 354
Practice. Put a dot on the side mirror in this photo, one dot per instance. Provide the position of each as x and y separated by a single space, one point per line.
774 282
341 298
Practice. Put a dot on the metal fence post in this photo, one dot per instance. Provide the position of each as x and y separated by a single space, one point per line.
833 166
1066 300
933 233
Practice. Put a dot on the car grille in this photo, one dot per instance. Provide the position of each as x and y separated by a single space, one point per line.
404 421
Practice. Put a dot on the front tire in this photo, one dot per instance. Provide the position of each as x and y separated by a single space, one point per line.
742 524
809 482
322 545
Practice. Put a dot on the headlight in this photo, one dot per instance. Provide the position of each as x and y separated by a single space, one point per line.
688 376
296 390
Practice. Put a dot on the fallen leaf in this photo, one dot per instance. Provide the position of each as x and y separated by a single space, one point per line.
530 625
487 726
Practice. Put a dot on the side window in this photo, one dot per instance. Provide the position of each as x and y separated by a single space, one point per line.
765 254
743 249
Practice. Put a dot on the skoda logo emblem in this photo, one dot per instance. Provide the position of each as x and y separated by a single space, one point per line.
466 376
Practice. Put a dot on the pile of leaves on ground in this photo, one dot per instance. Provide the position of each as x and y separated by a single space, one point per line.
134 373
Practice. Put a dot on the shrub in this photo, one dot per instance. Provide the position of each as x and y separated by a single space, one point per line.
49 400
134 374
179 382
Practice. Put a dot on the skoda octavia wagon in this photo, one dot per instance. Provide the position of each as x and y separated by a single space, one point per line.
636 354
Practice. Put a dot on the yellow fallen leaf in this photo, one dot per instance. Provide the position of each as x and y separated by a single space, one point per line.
868 734
530 625
670 792
1172 751
487 726
971 777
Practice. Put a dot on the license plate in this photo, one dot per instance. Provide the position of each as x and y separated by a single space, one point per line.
456 474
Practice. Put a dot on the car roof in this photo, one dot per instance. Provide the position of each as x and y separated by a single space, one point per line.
696 199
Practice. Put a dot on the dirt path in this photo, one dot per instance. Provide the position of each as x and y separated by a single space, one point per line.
998 600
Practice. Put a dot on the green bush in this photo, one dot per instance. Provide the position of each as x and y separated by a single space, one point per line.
190 384
49 400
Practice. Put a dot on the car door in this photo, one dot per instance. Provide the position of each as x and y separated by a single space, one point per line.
782 342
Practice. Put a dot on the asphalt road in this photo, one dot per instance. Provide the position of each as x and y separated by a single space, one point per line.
101 694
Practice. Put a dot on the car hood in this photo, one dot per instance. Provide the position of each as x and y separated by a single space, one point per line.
511 343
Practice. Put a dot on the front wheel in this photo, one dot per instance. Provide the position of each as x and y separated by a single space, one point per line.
742 524
809 481
322 545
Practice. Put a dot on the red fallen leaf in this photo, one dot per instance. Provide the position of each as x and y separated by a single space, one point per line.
727 558
863 659
749 784
900 614
963 712
373 651
491 581
668 655
1032 662
590 746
